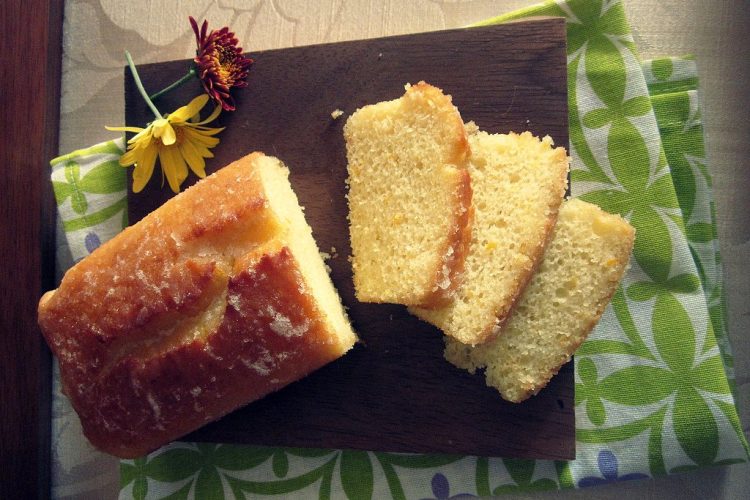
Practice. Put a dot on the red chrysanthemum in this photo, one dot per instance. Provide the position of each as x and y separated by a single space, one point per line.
220 63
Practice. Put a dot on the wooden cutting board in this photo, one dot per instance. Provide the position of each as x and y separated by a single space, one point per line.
394 391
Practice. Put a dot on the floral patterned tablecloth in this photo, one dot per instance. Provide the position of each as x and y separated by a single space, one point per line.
653 381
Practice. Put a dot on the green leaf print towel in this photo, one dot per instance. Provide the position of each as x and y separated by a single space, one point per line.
653 383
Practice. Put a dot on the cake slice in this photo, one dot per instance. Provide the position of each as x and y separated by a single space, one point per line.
518 184
409 198
565 299
213 300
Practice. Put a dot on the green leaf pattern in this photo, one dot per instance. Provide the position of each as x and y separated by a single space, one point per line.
90 191
653 383
521 473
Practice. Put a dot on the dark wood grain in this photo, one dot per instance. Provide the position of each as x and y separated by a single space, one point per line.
394 391
29 117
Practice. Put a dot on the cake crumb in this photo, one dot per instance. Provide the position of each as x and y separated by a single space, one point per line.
326 257
336 113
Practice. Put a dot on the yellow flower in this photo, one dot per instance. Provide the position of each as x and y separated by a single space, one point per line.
178 142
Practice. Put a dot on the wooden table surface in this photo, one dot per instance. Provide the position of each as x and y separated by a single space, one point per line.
29 117
97 31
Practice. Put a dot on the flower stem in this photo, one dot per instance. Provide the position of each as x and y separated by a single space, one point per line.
138 84
186 78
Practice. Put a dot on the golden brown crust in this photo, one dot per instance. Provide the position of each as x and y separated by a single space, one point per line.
198 309
454 254
457 247
145 271
461 151
271 334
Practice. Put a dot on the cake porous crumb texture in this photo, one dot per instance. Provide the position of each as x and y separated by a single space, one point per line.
582 267
518 184
409 198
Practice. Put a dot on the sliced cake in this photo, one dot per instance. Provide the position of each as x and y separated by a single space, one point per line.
518 183
409 198
581 269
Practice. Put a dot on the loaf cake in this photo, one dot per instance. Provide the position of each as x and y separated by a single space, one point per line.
213 300
409 198
565 299
518 184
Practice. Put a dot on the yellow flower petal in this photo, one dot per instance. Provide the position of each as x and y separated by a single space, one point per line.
174 167
144 168
207 131
129 158
193 158
211 117
196 137
124 129
202 150
142 137
206 135
184 113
